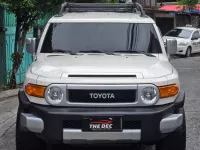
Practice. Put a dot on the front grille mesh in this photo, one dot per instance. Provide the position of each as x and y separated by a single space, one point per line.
72 124
84 96
131 124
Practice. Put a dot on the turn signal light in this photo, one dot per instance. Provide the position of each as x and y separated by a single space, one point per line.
168 91
35 90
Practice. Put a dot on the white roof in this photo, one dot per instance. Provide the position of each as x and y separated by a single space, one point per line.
102 17
188 28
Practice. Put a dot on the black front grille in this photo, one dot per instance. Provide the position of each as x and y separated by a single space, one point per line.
72 124
131 124
77 124
102 96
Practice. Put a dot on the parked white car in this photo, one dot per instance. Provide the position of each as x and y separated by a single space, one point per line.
188 39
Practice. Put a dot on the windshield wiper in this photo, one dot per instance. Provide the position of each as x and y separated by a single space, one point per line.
180 37
63 51
135 52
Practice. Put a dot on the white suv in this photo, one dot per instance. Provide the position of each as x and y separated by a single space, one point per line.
101 75
188 39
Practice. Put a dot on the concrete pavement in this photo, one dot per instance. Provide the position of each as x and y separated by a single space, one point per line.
8 93
8 110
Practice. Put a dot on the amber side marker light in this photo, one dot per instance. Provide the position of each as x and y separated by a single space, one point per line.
168 91
35 90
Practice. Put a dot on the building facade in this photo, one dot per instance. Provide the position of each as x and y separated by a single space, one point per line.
168 15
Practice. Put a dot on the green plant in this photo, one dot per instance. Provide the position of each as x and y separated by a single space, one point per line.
8 77
4 87
188 4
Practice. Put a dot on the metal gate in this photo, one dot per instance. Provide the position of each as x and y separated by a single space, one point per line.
2 60
27 60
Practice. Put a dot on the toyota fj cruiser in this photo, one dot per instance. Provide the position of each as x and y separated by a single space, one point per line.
101 74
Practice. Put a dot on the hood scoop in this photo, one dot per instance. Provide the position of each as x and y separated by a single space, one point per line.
101 76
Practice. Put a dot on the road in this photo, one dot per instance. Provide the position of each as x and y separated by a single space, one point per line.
8 109
189 72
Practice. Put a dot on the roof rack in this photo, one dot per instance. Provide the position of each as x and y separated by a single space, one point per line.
133 7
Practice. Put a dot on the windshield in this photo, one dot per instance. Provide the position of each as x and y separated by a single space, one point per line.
181 33
104 37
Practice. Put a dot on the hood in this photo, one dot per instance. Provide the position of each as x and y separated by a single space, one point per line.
140 65
178 39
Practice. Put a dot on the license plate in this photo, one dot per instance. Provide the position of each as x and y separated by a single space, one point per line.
100 124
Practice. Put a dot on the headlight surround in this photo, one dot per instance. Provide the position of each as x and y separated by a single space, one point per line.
149 95
183 43
54 95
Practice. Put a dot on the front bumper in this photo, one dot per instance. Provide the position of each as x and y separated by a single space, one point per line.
181 50
148 126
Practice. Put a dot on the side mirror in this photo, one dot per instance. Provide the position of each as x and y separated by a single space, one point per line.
31 45
171 46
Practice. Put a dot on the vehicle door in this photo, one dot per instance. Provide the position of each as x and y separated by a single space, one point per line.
198 45
195 40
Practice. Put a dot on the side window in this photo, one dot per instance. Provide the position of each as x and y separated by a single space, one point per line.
199 33
196 35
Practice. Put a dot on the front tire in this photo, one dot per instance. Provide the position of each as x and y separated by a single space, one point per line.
188 52
26 140
176 140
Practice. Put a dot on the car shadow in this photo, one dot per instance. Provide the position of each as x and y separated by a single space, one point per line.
181 56
100 147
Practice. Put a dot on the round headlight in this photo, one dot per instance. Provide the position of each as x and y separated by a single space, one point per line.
149 95
54 95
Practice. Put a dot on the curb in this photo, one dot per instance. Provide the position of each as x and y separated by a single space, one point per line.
8 93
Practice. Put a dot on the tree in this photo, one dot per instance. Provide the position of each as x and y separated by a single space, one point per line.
27 12
189 5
